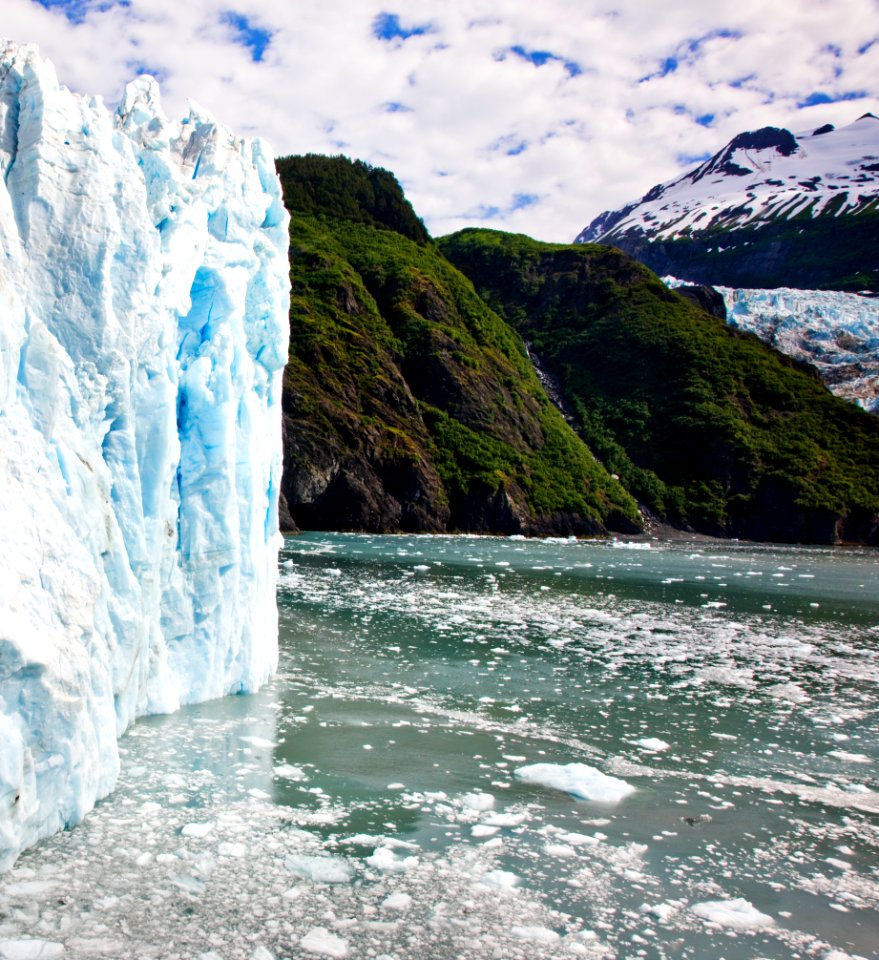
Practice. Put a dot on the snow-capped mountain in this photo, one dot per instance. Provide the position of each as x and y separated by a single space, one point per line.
143 329
761 210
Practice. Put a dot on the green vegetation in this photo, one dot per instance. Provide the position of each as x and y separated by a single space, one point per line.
706 426
408 403
335 189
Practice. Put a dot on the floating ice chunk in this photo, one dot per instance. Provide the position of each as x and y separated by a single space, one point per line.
788 691
258 742
478 801
260 953
535 933
30 888
387 861
578 779
288 771
849 757
504 879
561 850
30 950
662 911
507 820
654 744
319 869
397 901
731 676
320 940
235 850
197 830
578 839
189 884
738 914
483 830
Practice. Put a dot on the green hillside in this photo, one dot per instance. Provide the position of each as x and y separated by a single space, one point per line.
408 403
706 426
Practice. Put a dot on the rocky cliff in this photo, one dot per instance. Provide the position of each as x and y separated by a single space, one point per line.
408 403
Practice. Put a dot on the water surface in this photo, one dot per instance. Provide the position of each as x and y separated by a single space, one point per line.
366 803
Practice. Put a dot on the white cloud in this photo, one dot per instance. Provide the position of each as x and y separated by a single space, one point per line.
522 136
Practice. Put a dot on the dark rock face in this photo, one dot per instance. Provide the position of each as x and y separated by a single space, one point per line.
705 297
811 254
408 405
767 138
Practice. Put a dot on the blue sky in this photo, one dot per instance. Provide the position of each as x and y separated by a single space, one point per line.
517 115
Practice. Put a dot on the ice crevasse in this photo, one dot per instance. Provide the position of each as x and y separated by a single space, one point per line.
144 293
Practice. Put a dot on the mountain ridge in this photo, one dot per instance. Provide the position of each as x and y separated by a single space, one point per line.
769 209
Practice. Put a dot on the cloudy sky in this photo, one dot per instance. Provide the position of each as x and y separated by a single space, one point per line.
526 115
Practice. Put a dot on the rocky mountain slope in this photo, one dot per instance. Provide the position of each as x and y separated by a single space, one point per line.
770 209
704 424
408 403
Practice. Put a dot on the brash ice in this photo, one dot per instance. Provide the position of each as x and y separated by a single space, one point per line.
143 328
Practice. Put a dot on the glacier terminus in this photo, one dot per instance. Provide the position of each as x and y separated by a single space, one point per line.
144 295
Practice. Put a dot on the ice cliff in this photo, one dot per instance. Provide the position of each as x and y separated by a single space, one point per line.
143 331
838 333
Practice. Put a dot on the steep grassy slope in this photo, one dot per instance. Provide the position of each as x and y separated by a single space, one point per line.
408 404
706 426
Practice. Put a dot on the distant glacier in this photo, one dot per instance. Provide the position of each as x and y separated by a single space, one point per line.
144 295
838 333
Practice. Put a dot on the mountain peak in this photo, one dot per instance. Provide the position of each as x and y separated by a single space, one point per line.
763 181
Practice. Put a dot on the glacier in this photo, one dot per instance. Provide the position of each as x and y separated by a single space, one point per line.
144 295
836 332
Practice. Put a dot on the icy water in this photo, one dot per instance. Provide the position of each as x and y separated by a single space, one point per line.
721 702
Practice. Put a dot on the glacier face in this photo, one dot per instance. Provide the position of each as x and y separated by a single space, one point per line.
838 333
144 293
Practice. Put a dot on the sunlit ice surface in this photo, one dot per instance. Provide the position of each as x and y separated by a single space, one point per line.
485 747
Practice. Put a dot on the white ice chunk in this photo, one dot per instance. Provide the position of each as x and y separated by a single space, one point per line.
654 744
197 830
478 801
319 869
505 879
320 940
30 950
288 771
578 779
738 914
535 933
397 901
386 860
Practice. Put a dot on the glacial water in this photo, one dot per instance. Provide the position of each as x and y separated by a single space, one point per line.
369 802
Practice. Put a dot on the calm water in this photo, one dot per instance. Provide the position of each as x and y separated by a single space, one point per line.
367 803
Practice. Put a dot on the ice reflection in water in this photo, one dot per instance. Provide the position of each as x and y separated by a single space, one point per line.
366 803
